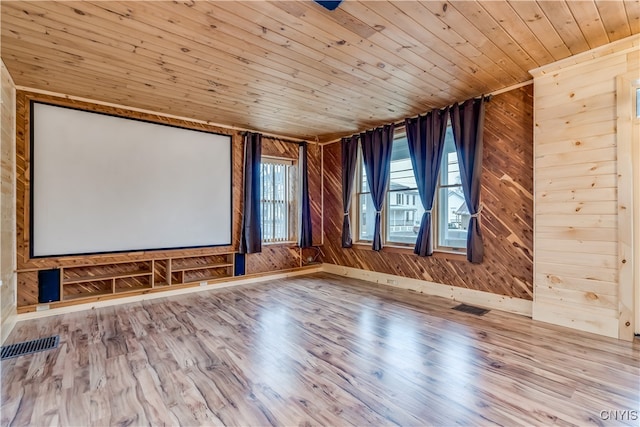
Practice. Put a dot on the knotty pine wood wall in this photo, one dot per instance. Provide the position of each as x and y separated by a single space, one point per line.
507 221
580 271
273 259
7 204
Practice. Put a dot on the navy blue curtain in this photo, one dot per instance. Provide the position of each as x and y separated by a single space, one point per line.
251 231
376 153
425 136
349 159
467 121
305 237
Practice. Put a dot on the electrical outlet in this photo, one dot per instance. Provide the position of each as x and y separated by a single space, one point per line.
203 283
392 282
42 307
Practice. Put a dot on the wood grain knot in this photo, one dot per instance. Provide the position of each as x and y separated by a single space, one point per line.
591 296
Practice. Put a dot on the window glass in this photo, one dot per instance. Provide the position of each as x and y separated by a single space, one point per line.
403 205
452 213
366 217
277 178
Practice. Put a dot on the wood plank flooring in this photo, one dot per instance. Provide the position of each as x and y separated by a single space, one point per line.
315 350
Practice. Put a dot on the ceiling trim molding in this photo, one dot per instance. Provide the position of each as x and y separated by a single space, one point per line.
618 47
145 111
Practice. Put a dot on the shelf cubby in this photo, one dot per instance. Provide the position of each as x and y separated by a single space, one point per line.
199 268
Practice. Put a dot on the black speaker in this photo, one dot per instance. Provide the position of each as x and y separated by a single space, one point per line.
239 265
49 285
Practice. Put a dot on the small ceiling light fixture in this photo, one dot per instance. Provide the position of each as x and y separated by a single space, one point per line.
330 5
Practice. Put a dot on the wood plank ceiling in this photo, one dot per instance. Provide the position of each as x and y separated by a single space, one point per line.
291 67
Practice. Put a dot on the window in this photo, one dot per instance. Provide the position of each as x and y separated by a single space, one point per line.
403 209
451 213
365 209
402 186
278 203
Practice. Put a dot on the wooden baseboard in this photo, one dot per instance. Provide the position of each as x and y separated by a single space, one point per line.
468 296
575 317
7 327
233 281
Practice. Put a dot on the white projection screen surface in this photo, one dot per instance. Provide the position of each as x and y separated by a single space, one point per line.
102 183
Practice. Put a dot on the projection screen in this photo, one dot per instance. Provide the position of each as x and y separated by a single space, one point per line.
102 183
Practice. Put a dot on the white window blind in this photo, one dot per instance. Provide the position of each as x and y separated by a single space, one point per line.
278 179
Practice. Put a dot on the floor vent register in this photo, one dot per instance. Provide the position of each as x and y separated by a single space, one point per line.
29 347
471 309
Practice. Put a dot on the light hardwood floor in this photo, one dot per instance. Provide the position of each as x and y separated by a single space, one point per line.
316 350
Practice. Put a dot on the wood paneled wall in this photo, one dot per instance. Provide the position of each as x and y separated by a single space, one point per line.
278 256
7 204
577 208
507 187
274 259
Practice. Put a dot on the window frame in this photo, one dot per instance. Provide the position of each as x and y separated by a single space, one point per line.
438 205
290 201
405 199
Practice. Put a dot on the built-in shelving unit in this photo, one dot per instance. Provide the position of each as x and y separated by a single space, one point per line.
90 281
199 268
93 282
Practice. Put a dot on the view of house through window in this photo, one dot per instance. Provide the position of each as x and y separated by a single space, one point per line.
278 202
452 218
403 209
366 210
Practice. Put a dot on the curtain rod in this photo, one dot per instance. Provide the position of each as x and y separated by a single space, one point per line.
402 122
489 96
